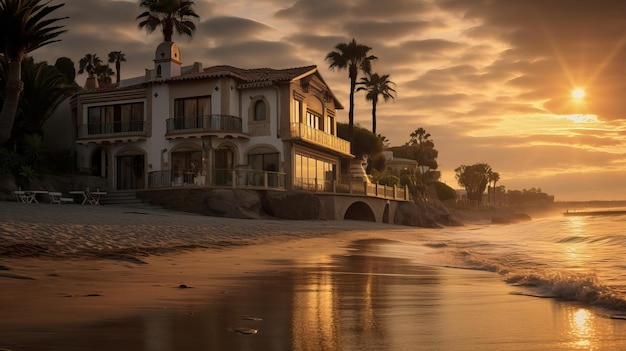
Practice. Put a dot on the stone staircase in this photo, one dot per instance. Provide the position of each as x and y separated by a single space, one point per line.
126 198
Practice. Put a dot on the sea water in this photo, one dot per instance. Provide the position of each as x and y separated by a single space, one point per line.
578 258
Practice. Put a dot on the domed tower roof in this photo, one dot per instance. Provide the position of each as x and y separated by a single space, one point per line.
167 60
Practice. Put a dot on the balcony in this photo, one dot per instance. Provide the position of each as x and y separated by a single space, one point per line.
204 125
319 138
112 131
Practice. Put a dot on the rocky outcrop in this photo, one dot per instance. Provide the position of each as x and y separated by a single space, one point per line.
233 203
425 214
510 218
292 205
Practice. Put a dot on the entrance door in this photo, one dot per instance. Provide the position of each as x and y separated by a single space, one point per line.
130 172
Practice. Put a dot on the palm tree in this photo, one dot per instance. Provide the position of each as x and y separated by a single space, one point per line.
376 86
45 88
23 29
170 15
494 177
104 74
353 57
118 57
89 64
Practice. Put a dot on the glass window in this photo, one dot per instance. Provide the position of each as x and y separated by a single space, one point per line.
297 111
313 120
259 111
192 107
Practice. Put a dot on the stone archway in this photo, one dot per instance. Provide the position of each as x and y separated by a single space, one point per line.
360 211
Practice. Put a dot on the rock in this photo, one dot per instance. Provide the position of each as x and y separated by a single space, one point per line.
425 214
292 205
233 203
511 218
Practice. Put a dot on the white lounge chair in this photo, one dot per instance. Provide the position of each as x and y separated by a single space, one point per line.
57 198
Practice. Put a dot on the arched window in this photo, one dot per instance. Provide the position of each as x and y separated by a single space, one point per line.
158 70
260 111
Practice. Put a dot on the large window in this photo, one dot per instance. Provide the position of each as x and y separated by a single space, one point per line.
313 120
189 112
264 162
120 118
313 174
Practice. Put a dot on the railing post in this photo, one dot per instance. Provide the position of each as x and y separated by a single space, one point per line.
234 178
265 180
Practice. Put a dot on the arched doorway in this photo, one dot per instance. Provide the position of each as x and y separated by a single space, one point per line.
360 211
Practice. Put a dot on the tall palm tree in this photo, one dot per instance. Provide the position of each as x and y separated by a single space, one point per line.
118 57
89 64
23 29
353 57
376 86
170 15
494 177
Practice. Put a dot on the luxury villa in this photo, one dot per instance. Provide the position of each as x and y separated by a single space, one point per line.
218 126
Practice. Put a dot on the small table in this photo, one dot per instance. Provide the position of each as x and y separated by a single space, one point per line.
80 192
31 195
96 196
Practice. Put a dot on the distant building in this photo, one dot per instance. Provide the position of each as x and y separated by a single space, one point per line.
180 125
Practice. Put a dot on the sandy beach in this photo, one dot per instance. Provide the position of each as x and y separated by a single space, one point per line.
99 278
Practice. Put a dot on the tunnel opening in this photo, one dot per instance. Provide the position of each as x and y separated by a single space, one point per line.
360 211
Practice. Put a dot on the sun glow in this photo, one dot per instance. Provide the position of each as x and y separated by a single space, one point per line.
578 93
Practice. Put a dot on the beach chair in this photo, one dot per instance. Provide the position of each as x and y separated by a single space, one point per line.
20 196
57 198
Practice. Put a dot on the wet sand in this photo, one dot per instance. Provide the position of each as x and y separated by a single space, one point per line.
87 278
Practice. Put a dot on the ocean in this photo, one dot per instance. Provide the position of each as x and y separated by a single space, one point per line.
575 258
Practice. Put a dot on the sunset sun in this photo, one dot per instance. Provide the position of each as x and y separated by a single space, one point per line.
578 93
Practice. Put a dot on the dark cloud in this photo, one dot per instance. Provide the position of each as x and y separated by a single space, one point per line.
225 30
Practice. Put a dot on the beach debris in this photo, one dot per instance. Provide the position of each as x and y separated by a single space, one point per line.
184 286
92 295
15 276
250 318
244 331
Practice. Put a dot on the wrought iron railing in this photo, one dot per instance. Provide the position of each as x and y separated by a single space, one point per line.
111 128
207 123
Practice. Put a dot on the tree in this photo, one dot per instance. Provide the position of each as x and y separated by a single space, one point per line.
365 142
24 27
170 15
117 57
104 74
353 57
65 65
376 86
89 64
474 178
45 88
494 177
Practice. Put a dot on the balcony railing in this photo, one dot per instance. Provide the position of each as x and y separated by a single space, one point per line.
353 188
206 123
232 178
111 129
319 137
252 179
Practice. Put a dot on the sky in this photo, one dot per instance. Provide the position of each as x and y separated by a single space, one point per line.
490 80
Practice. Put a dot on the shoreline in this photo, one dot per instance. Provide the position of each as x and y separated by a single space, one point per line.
301 285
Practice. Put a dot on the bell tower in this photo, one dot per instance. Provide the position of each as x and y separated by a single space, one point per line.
167 61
